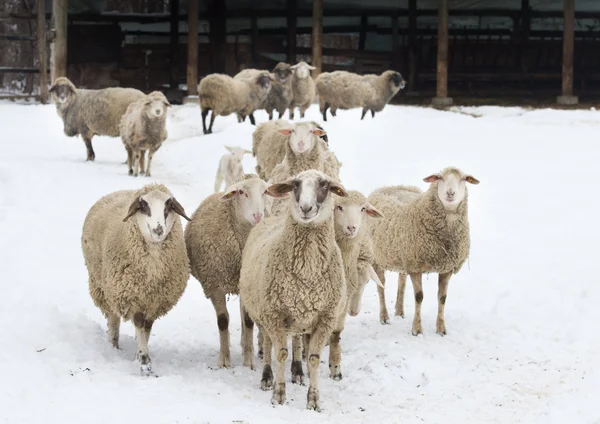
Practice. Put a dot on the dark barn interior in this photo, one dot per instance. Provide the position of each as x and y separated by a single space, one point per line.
474 51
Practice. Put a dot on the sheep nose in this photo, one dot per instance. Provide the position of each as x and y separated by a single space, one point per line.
257 217
450 193
157 111
158 230
306 209
301 144
351 228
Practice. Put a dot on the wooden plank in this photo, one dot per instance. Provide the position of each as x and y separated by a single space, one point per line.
362 37
173 43
442 56
41 48
292 10
60 17
395 42
317 38
568 46
412 44
192 59
253 38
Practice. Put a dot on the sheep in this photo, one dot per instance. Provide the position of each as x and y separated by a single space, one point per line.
346 90
280 96
144 127
303 88
215 238
91 112
136 259
292 279
230 167
224 95
268 145
422 232
256 102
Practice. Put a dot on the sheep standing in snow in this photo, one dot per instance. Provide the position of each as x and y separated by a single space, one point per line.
292 278
347 90
230 167
215 239
144 128
224 95
422 232
280 96
136 259
303 88
257 100
91 112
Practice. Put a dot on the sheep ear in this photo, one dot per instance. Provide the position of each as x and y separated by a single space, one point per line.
373 212
285 132
312 68
338 189
229 148
230 193
280 189
319 132
471 179
166 103
432 178
133 208
177 208
53 88
246 151
294 66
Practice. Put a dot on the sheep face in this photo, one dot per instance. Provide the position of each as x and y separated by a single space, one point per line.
155 215
302 70
62 91
310 189
350 212
250 199
282 72
264 81
451 186
156 106
397 81
303 136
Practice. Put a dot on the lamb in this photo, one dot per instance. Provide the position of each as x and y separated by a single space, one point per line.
144 127
136 259
224 95
423 232
292 279
303 88
91 112
215 238
268 145
346 90
230 167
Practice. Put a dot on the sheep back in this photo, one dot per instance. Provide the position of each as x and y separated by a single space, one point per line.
222 94
343 90
304 91
268 146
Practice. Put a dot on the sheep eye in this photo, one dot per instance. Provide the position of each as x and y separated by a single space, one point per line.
363 209
144 207
341 209
240 192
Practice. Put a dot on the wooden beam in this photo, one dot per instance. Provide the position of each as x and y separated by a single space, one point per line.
523 31
218 34
412 45
317 38
192 59
41 48
395 42
59 15
253 38
292 11
442 98
567 97
173 43
362 37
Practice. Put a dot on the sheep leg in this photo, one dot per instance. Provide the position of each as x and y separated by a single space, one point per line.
218 180
129 159
384 317
302 110
321 333
291 113
212 121
136 162
150 156
148 328
143 162
204 114
279 339
271 115
372 113
90 150
333 111
297 374
260 342
364 112
252 121
418 289
280 114
400 295
266 383
219 302
142 344
305 345
247 337
335 351
114 323
443 280
324 110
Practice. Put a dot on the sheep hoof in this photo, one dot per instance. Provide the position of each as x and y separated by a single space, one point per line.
400 314
148 175
441 328
278 394
313 400
335 372
130 172
146 368
297 374
260 354
90 158
224 363
267 378
417 331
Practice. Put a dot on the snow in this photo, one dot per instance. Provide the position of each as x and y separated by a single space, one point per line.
522 315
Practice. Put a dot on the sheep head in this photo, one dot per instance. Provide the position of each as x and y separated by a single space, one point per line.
282 72
311 199
154 213
63 91
451 188
396 80
303 136
350 212
155 106
249 197
302 70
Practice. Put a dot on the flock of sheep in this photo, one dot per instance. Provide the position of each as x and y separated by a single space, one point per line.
292 241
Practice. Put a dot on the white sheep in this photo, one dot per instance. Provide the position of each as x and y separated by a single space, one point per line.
303 88
91 112
422 233
292 278
224 95
135 254
215 238
144 128
230 167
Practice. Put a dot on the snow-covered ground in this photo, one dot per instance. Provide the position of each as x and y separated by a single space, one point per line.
523 319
